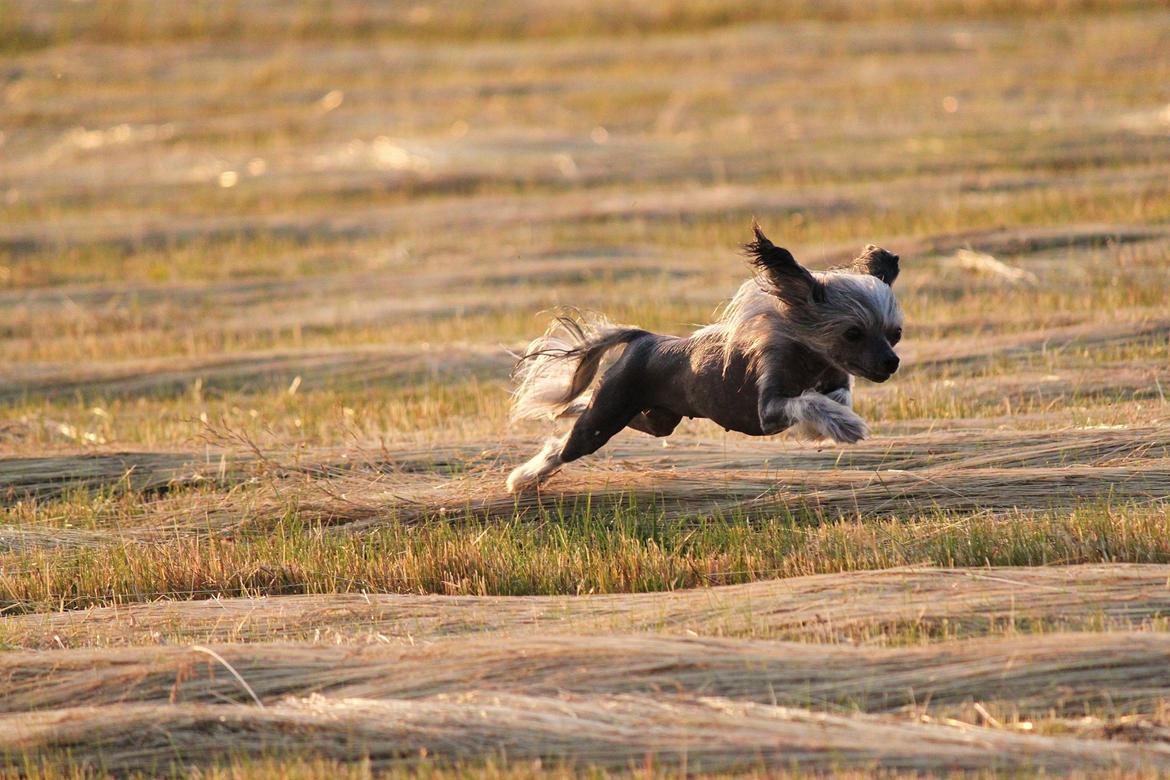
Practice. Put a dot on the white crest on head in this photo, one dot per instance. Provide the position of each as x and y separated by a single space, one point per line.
754 320
867 299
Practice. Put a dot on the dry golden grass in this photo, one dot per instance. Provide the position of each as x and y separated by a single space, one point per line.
1055 675
260 267
701 733
892 605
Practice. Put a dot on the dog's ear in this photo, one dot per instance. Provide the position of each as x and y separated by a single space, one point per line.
789 280
876 261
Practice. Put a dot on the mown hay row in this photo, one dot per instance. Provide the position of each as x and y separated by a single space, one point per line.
941 356
1036 676
953 449
365 489
50 476
254 372
1035 390
707 734
682 495
866 606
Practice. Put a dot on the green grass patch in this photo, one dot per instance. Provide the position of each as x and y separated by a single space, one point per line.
570 550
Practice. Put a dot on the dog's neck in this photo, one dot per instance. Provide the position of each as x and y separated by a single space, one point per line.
810 364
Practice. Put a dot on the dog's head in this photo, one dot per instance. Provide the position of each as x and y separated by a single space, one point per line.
847 314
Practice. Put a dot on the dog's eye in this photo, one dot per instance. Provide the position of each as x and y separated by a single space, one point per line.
895 336
853 334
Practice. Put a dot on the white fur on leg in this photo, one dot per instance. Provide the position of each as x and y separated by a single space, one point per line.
805 429
542 465
821 417
843 395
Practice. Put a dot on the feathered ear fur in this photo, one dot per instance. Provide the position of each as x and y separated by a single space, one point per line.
875 261
787 279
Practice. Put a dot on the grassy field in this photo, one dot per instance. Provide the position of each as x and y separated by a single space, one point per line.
261 267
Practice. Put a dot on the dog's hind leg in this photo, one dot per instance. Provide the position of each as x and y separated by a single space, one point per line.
618 399
610 411
614 405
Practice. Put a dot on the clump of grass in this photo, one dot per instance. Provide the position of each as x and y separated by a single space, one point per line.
288 765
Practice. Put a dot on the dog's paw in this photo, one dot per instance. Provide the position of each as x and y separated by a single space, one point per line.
843 426
527 477
821 417
520 480
533 473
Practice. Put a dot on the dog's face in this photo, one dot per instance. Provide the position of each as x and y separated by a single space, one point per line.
864 321
847 314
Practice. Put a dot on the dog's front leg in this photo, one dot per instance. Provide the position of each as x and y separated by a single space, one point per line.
785 403
815 416
842 395
774 416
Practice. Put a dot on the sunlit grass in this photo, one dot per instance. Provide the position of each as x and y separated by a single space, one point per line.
277 253
575 549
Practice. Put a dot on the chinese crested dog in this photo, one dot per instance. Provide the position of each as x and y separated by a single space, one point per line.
782 355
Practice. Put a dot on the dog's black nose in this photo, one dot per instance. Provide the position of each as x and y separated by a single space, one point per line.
891 364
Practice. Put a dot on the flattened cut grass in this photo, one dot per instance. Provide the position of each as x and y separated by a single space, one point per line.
1058 675
889 606
613 732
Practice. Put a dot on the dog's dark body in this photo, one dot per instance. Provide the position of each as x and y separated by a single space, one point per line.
659 380
778 362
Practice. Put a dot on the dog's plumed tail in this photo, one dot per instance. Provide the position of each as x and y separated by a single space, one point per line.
557 368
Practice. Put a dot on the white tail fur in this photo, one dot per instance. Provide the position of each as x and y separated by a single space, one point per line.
556 369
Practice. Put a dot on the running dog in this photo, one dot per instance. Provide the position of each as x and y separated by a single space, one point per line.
782 355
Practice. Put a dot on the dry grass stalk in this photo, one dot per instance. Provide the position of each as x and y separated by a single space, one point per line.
983 263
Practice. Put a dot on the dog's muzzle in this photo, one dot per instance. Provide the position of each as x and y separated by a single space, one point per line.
886 369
